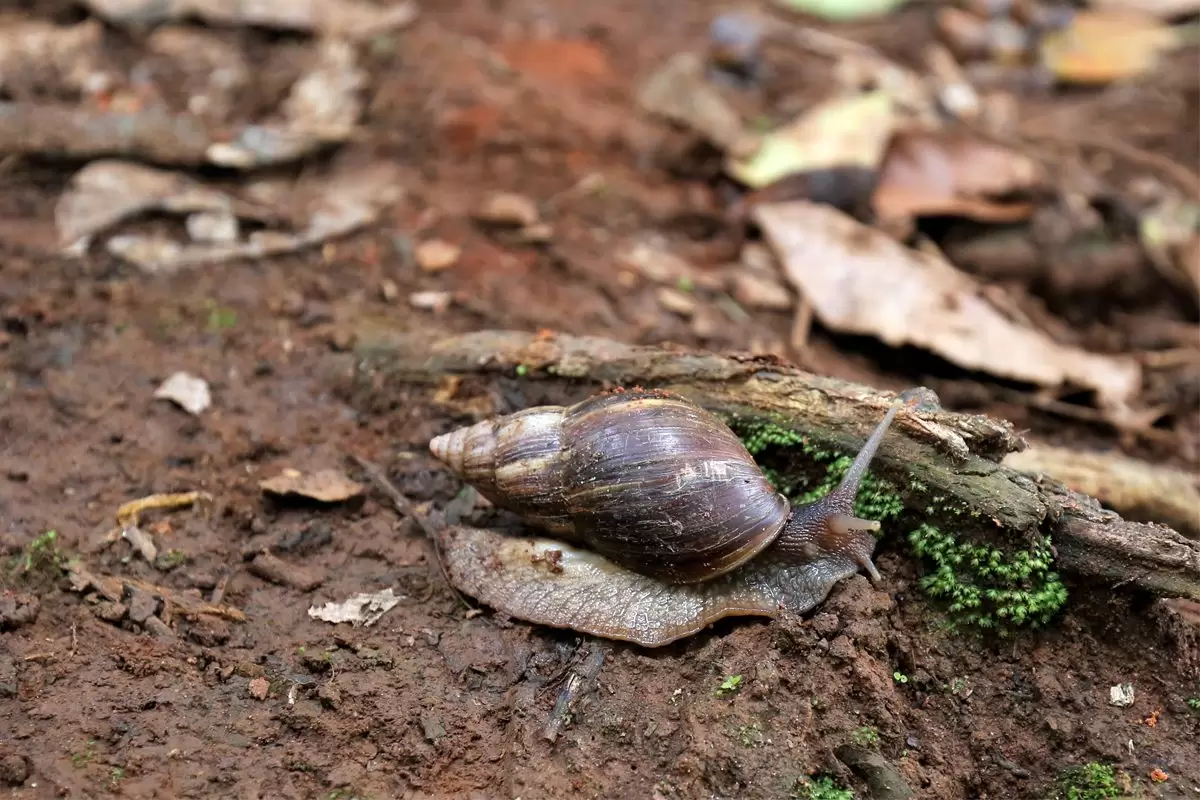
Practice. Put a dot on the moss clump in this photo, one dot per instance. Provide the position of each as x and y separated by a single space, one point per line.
758 436
1092 781
821 787
41 560
986 587
866 736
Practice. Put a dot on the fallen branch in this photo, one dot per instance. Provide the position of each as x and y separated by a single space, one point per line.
932 452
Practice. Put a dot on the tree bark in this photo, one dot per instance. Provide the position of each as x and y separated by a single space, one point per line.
931 452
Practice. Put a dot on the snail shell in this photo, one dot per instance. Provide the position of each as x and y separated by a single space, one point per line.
649 481
659 521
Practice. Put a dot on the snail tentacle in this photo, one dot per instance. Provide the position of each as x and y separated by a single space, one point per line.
828 528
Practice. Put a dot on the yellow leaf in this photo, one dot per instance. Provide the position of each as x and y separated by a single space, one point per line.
846 132
1100 47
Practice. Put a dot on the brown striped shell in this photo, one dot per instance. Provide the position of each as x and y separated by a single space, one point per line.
650 481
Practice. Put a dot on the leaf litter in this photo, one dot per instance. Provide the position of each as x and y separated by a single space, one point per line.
326 486
361 609
842 132
186 391
322 107
107 192
860 280
349 18
1102 46
954 174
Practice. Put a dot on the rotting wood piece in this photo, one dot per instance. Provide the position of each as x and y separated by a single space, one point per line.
931 452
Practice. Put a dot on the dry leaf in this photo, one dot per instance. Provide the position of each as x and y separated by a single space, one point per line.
326 486
845 132
323 106
931 173
34 53
353 197
187 391
358 609
1164 9
843 10
350 18
1099 47
680 91
106 192
860 280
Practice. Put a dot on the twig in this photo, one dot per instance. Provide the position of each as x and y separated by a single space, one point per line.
1183 177
405 507
579 681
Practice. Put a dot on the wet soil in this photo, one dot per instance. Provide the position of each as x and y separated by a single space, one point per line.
438 700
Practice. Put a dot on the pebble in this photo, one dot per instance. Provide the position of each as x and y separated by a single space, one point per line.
676 301
436 255
260 688
14 770
142 605
216 227
842 648
756 290
110 611
437 302
8 676
505 208
538 233
656 263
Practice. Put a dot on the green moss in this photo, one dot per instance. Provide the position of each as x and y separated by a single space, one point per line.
985 586
41 561
866 736
821 787
1092 781
877 498
758 436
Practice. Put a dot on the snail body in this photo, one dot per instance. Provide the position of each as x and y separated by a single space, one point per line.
655 520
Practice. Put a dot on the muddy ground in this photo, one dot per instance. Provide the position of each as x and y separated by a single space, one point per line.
436 700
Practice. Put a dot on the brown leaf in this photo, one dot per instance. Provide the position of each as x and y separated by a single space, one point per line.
1165 9
1100 47
327 486
939 173
859 280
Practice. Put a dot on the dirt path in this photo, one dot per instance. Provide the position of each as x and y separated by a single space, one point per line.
135 697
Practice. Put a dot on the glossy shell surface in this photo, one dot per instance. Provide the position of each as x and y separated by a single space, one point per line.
651 481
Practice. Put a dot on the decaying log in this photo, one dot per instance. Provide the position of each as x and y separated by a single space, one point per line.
931 452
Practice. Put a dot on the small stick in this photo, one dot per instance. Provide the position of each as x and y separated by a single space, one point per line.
269 567
405 507
579 680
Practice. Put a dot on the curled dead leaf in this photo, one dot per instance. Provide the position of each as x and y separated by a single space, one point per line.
358 609
1099 47
860 280
326 486
681 92
937 173
844 132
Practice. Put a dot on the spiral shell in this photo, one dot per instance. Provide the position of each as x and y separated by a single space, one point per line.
650 481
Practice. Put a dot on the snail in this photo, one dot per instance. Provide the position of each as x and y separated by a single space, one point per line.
654 521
